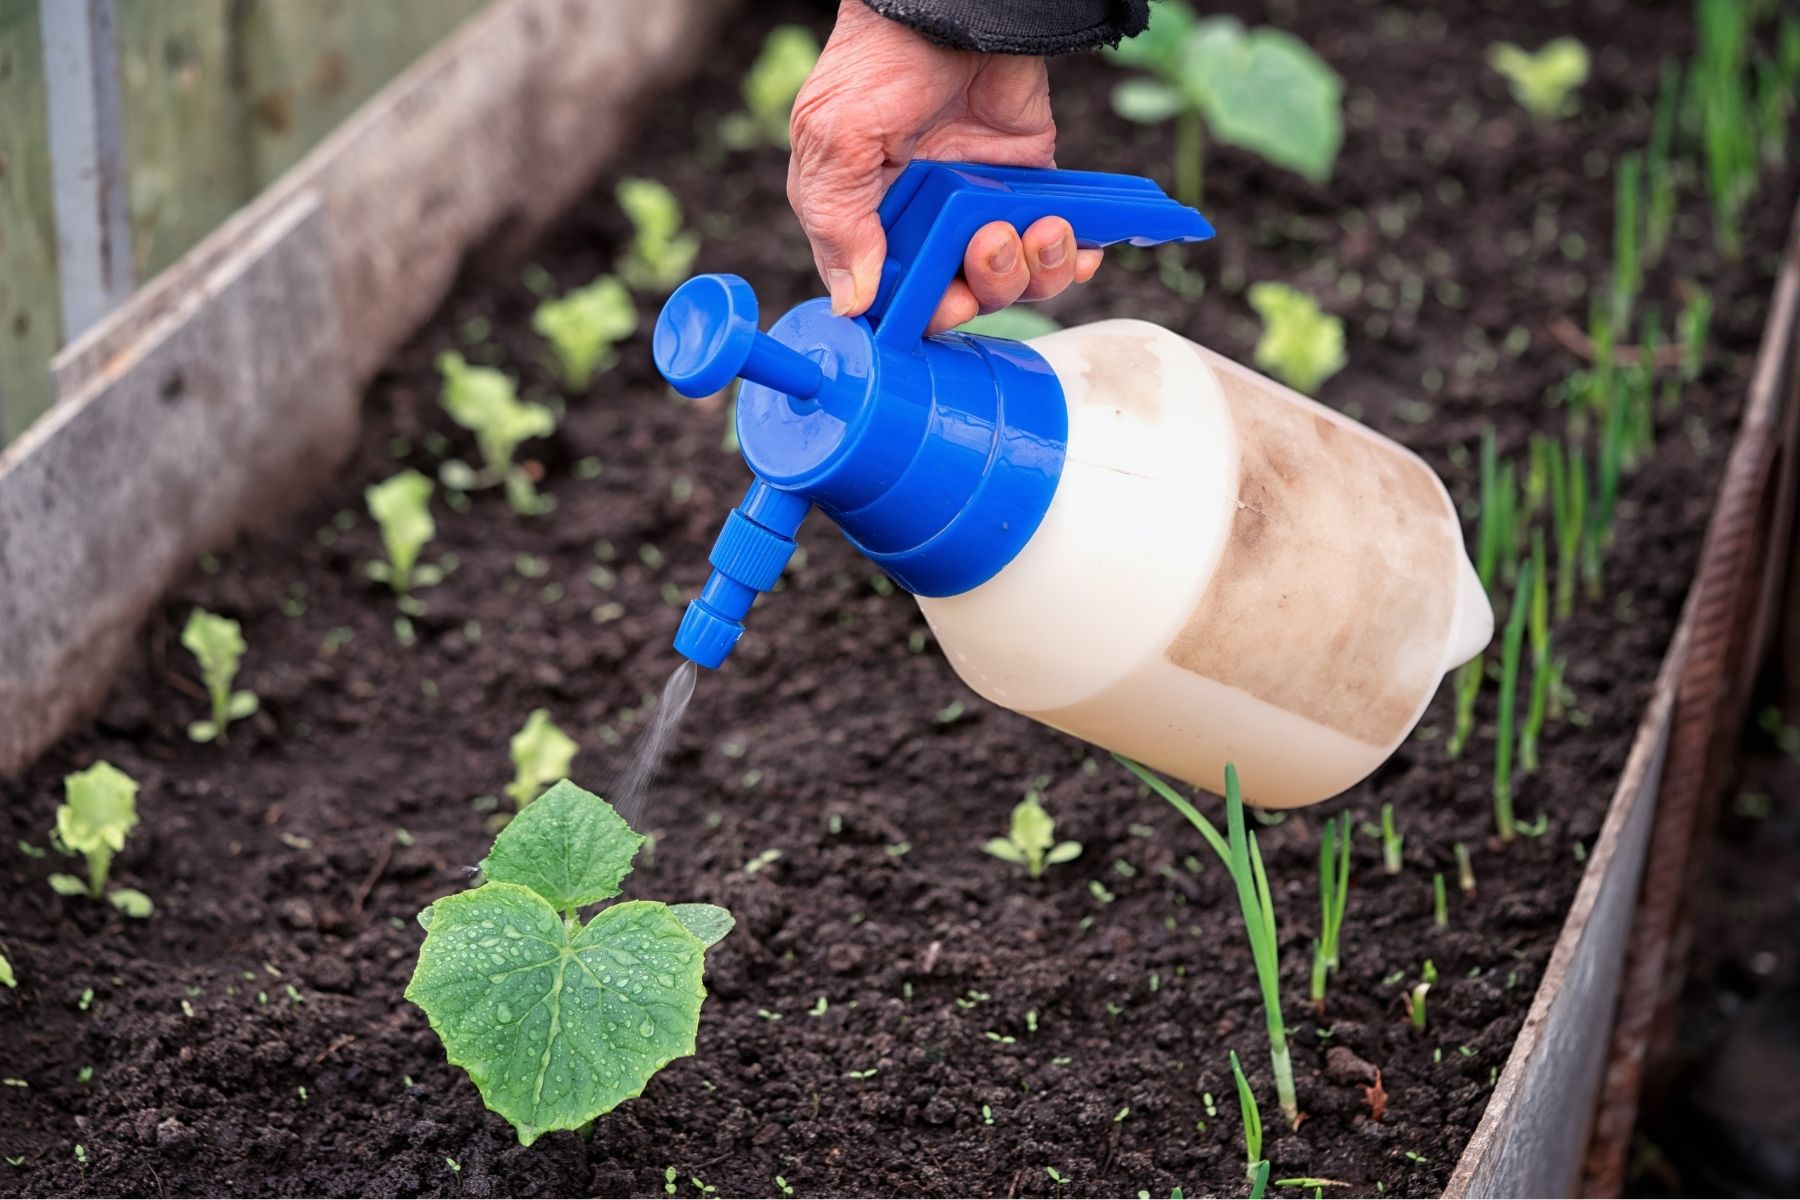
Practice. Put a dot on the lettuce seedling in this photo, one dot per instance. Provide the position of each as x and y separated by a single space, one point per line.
1301 343
486 403
774 79
1031 840
218 643
555 1020
584 326
1262 89
661 255
98 812
402 507
541 754
1544 81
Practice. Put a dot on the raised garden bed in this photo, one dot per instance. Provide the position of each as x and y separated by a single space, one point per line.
251 1036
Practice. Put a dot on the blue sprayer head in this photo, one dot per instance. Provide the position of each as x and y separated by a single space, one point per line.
937 456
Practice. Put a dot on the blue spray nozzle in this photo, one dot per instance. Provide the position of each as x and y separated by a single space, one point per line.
937 456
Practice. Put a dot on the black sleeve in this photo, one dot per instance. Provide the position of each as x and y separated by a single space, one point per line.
1020 26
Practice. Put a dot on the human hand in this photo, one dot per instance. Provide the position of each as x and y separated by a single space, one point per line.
882 95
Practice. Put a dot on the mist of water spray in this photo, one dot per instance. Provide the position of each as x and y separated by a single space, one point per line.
630 792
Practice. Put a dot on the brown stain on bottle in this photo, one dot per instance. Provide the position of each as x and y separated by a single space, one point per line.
1336 588
1123 373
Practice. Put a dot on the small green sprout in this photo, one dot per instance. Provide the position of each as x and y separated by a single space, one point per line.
1465 870
1659 207
774 79
1057 1176
1415 1005
1440 911
669 1181
6 973
1628 270
402 507
1301 343
509 974
1511 644
1334 895
1544 81
1568 506
584 326
1252 1117
1691 326
1393 842
782 1184
1238 850
455 1167
486 402
661 255
541 754
1538 625
1214 74
218 643
1031 839
98 812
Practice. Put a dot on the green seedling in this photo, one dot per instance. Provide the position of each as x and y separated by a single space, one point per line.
98 812
1031 839
486 402
1259 1180
1628 268
1440 906
1213 75
1568 511
1238 851
1393 842
1465 870
1659 201
1334 896
1252 1117
1720 79
1544 81
555 1020
1538 625
1511 643
1691 327
1415 1004
661 255
774 79
541 754
1301 344
218 643
584 326
6 973
401 506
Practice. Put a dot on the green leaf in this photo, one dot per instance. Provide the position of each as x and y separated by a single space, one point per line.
661 256
788 55
1300 343
1003 849
1160 47
1033 829
541 754
402 507
569 847
1063 852
131 902
202 731
486 403
584 326
1147 101
240 705
98 812
1019 322
1544 82
1265 90
557 1025
218 643
708 922
6 973
67 885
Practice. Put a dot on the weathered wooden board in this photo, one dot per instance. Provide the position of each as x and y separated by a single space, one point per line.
226 386
30 326
163 453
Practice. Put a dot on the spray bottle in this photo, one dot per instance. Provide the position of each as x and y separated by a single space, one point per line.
1110 529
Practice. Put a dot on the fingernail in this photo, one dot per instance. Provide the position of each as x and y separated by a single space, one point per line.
843 291
1003 259
1053 254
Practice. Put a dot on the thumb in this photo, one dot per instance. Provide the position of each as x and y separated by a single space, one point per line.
835 184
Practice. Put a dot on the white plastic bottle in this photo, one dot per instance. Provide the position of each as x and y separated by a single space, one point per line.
1228 572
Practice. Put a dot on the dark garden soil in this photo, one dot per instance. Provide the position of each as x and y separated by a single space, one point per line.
251 1036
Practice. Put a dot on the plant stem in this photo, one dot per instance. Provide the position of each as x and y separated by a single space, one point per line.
1509 680
1540 654
1190 145
1252 1118
1392 842
1468 691
1440 909
1465 870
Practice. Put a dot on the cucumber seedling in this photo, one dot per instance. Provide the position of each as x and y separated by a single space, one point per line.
584 326
557 1020
218 645
661 255
1334 895
1237 849
1031 839
98 812
541 754
1214 75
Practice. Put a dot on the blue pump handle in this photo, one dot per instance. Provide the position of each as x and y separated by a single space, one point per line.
934 208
